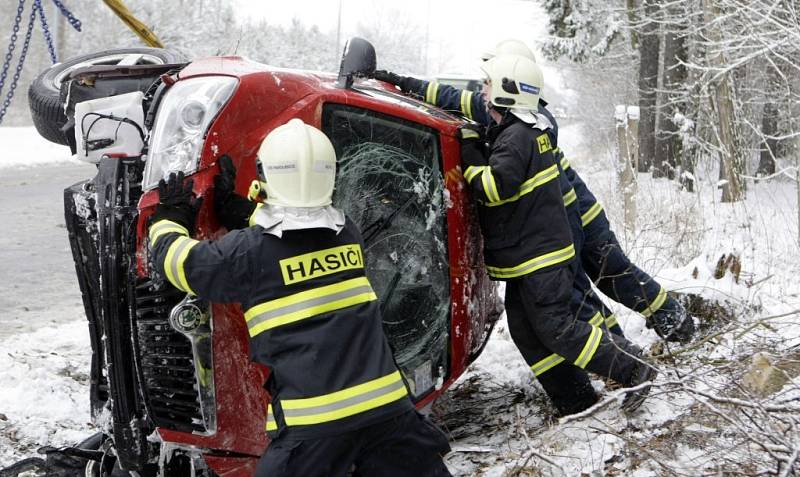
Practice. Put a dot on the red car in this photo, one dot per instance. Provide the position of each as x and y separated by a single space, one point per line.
172 386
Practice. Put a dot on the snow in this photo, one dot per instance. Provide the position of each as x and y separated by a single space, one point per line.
498 419
24 147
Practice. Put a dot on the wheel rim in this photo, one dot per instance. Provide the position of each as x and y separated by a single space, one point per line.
119 59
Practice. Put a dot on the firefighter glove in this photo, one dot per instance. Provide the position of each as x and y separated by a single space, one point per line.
407 84
233 211
177 202
474 149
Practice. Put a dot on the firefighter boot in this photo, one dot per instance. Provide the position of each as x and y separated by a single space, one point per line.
641 373
672 322
568 388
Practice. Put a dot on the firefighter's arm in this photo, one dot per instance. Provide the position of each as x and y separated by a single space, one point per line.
467 103
497 177
218 270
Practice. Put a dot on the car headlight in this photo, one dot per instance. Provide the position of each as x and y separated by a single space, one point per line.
183 118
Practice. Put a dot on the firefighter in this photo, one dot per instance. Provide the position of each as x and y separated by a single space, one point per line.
601 255
339 401
528 244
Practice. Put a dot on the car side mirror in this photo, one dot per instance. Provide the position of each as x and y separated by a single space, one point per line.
358 59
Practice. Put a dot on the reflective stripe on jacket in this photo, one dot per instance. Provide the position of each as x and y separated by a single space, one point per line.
520 204
311 314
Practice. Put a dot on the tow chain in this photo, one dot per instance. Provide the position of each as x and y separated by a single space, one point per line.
76 24
36 9
22 54
47 37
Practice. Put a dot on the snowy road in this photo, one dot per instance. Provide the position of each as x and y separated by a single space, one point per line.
38 278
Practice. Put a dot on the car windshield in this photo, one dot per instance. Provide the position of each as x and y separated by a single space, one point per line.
389 182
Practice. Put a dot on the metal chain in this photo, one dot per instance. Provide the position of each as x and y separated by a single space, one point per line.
11 45
76 24
23 53
37 5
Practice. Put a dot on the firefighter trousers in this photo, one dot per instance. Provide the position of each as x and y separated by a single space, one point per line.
408 445
617 277
586 305
553 341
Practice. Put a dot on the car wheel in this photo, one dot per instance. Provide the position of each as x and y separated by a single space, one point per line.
44 101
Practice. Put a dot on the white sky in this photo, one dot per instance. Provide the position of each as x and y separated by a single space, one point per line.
458 30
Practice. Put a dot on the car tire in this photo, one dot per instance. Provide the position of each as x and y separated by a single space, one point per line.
47 111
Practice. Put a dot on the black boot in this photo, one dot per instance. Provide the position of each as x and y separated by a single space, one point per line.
569 389
642 372
672 322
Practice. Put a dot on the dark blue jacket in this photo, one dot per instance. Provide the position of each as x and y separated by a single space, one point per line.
472 106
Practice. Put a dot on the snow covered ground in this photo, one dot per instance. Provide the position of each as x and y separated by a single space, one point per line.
699 421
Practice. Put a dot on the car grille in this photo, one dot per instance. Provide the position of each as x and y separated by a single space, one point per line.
166 362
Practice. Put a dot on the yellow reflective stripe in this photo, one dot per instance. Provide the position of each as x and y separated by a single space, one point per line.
657 303
489 185
466 103
592 343
473 171
173 263
570 197
596 320
564 162
546 364
611 321
536 263
591 214
432 92
344 403
529 185
272 425
252 219
163 227
307 304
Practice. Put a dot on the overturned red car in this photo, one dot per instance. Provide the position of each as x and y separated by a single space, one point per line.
172 387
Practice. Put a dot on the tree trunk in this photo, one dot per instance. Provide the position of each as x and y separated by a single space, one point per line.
731 161
631 8
669 144
648 83
769 128
626 125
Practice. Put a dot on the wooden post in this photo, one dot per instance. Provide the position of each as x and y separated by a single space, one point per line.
627 130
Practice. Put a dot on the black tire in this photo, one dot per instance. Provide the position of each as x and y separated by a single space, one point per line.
44 101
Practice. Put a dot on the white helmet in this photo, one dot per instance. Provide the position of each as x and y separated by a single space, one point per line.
509 47
299 164
516 83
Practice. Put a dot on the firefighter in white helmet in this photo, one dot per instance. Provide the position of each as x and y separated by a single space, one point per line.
528 243
338 400
602 259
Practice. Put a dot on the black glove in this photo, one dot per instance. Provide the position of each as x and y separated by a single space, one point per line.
474 148
233 211
407 84
177 202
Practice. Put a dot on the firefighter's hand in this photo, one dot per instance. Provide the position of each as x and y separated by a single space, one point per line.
407 84
474 149
233 211
471 132
389 77
176 201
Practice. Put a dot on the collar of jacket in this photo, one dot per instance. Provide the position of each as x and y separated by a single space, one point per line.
275 219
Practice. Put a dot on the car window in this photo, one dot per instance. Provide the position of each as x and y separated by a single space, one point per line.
389 182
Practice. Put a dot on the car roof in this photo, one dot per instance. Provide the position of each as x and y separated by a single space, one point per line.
295 84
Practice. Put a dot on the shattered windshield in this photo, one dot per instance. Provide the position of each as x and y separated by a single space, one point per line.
389 182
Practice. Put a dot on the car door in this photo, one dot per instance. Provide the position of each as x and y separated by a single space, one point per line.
389 182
